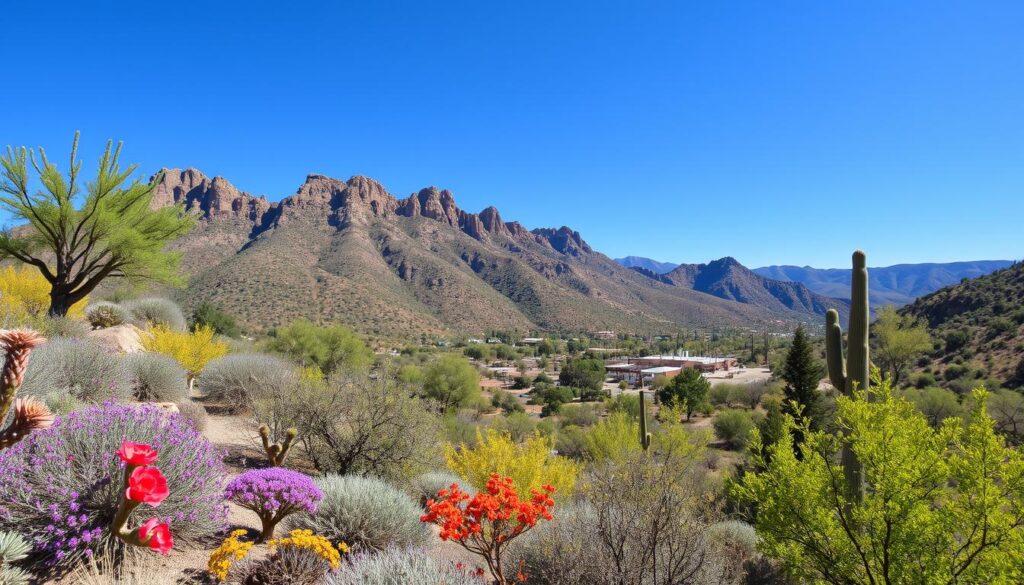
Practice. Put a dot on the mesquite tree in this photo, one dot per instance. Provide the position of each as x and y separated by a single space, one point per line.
77 239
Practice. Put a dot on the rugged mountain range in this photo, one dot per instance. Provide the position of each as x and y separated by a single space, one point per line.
349 251
647 264
726 278
978 328
891 285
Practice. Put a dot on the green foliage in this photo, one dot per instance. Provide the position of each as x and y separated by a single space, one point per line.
936 404
580 415
157 312
156 377
899 339
942 505
733 427
583 373
329 348
506 401
802 373
211 315
105 314
113 233
627 403
689 390
452 382
552 397
365 513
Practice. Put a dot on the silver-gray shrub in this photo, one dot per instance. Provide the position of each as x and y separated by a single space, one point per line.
13 548
67 327
81 368
365 513
157 311
156 377
106 314
425 486
400 565
194 413
236 381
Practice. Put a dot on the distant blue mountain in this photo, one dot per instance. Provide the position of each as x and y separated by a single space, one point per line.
647 264
891 285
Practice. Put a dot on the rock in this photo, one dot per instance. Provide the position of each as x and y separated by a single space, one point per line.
122 338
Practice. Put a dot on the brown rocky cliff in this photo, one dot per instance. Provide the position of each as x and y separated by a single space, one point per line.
213 198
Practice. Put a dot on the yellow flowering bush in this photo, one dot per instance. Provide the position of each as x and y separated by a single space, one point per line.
229 551
306 540
530 464
25 294
192 350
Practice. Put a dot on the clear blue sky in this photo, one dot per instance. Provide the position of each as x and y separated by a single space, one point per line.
775 132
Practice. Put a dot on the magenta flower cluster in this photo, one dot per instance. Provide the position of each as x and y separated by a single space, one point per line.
61 486
273 494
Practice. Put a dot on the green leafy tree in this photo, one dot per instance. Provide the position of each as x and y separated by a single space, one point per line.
942 505
689 390
452 382
802 372
330 348
898 340
77 240
583 373
208 314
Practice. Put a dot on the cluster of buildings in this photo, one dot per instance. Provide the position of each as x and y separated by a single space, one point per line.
642 371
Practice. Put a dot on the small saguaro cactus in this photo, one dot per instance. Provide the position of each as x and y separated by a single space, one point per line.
854 371
645 437
276 452
29 413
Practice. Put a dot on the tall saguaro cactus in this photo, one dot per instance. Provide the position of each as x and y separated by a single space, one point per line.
854 371
645 437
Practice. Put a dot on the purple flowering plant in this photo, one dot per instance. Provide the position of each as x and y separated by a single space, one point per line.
60 487
273 494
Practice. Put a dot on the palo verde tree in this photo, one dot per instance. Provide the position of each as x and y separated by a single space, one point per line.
79 239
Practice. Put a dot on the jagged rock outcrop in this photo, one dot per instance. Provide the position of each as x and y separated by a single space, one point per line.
211 198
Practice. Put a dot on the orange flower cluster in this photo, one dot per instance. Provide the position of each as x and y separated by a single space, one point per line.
485 522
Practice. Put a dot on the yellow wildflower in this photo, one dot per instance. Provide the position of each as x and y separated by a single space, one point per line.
306 540
228 552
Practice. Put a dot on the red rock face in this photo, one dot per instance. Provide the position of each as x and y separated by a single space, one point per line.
340 203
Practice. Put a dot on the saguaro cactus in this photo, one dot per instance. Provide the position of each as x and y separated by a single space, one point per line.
29 413
276 452
854 371
645 437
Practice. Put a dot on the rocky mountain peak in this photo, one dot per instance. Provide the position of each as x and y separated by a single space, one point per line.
213 198
564 240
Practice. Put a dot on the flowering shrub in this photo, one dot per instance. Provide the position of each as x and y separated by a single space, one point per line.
530 464
399 565
365 513
273 494
192 350
485 523
61 487
301 558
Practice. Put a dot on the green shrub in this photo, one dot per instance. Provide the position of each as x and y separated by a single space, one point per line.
396 566
580 415
81 368
156 377
506 401
365 513
106 314
157 311
212 316
733 427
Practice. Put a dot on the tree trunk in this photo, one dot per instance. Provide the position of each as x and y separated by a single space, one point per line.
60 303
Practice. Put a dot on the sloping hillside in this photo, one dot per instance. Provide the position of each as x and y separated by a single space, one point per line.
890 285
349 251
646 263
978 326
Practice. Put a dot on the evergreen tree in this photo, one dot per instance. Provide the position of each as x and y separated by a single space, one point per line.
802 373
113 233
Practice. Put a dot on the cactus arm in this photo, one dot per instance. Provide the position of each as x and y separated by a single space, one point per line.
645 437
276 452
834 350
858 362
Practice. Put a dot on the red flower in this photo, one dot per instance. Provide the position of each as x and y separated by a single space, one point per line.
147 484
136 453
156 535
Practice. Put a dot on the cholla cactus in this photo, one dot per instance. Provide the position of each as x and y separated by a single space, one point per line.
29 414
276 452
645 437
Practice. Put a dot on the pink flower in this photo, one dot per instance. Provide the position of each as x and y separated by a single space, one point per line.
156 535
147 484
136 453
